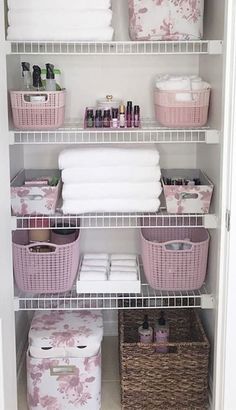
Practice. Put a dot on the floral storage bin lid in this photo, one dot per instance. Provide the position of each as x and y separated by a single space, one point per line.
61 334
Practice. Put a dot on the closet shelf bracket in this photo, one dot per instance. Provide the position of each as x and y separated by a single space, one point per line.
207 302
213 137
210 221
215 47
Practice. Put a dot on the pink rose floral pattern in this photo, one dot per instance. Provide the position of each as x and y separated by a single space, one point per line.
187 199
166 19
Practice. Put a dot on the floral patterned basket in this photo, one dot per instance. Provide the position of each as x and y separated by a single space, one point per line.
181 199
166 19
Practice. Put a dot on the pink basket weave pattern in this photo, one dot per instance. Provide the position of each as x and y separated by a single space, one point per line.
171 112
175 269
51 272
40 115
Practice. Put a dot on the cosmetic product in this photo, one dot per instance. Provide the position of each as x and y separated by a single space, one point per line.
98 119
37 81
50 78
122 116
136 116
145 332
162 333
108 103
114 120
26 77
90 119
129 114
107 119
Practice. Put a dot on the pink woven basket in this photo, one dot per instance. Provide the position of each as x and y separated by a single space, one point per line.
172 112
169 269
52 272
38 115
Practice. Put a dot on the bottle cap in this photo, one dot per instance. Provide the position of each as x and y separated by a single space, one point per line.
145 323
25 66
107 113
162 320
98 113
122 109
114 112
136 109
129 106
50 72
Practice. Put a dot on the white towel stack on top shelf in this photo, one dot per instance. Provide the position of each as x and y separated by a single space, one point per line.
107 179
181 83
60 20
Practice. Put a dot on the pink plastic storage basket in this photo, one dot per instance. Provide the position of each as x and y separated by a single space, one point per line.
39 115
167 269
171 112
51 272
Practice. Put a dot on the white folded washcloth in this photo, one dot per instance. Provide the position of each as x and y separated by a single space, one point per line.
112 190
95 262
111 174
85 268
46 33
119 268
96 256
200 85
123 256
64 19
124 262
110 205
93 275
59 4
102 156
123 276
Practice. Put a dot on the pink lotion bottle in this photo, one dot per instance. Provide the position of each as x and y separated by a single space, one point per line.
145 332
162 333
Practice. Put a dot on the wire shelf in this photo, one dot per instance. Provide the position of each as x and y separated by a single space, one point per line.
115 47
148 298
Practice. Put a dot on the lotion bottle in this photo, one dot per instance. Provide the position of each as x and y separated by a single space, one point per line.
145 332
162 333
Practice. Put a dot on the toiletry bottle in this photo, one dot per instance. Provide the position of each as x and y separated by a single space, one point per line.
37 82
114 120
90 118
26 76
162 334
50 78
98 119
145 332
122 116
107 119
129 114
136 116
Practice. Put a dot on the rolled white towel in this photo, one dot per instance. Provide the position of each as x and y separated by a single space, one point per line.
123 256
64 19
59 4
200 85
93 275
123 276
111 174
96 256
174 84
112 190
119 268
124 262
95 262
85 268
108 156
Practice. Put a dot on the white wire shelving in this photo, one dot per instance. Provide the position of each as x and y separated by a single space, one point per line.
115 221
149 133
115 47
148 298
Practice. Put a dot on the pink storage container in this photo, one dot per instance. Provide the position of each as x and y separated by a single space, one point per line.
175 258
172 112
50 272
38 115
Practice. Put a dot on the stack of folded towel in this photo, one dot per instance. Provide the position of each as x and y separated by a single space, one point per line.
60 20
110 179
123 267
94 267
181 83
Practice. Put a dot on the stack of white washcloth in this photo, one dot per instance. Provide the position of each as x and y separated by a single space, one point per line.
94 267
123 267
60 20
181 83
107 179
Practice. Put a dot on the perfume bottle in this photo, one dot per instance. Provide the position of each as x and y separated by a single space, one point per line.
122 116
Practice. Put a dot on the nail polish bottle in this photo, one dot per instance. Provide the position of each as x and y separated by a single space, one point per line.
114 120
90 118
145 332
136 116
107 119
129 114
122 116
98 119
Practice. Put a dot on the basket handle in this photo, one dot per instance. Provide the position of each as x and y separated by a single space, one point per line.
35 244
35 197
26 98
178 246
188 195
62 370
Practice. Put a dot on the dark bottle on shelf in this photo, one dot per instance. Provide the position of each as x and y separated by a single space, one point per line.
107 119
98 119
90 119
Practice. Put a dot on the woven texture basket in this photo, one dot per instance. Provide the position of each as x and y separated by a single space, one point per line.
176 380
41 115
44 272
171 112
167 269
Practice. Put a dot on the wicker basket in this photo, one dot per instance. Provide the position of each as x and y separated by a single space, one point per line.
176 380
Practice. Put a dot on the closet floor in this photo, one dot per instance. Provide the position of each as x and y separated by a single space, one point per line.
110 378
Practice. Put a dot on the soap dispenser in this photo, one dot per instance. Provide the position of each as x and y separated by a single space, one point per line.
162 333
145 332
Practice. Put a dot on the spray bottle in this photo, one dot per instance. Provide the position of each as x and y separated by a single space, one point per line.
26 77
50 78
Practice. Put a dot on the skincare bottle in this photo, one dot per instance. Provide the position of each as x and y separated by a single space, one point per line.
122 116
145 332
98 119
162 334
136 116
114 120
50 78
37 81
129 114
26 77
107 119
90 119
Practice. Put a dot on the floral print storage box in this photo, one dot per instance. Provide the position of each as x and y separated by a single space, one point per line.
187 199
64 361
166 19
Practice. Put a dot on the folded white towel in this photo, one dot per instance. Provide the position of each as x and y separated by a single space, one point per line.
123 276
85 268
102 156
96 256
93 275
95 262
124 262
46 33
110 205
64 19
112 190
111 174
200 85
59 4
123 256
123 269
